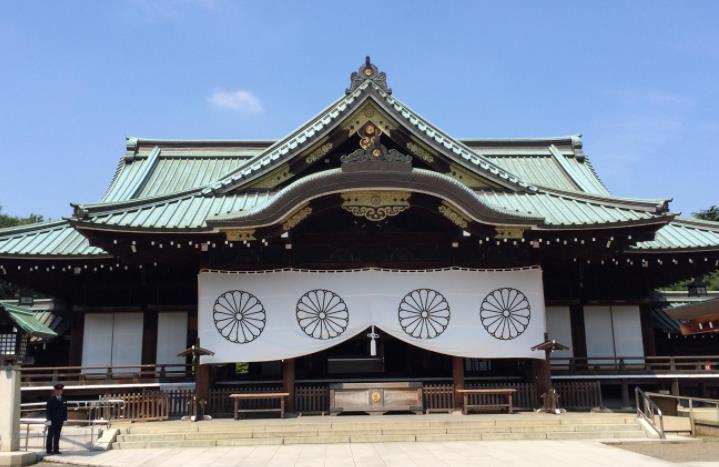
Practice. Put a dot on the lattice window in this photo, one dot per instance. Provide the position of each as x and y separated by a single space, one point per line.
8 344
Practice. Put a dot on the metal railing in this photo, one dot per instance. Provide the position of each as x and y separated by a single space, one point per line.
691 405
648 410
699 364
99 412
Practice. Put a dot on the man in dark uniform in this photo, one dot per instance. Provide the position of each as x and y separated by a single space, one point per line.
56 415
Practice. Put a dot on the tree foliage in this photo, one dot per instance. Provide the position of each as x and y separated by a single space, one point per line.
709 214
7 220
711 280
8 290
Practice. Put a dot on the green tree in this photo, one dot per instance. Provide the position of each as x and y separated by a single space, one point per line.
710 214
7 220
8 290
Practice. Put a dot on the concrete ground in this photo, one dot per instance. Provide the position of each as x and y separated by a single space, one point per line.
418 454
706 450
74 438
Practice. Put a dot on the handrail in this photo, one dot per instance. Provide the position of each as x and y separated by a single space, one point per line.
648 409
100 412
691 400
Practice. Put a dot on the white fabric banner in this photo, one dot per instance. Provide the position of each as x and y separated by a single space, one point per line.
275 315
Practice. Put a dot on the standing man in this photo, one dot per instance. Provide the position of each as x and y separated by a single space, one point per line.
56 415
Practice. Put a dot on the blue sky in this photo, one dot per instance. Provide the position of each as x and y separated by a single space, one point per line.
639 79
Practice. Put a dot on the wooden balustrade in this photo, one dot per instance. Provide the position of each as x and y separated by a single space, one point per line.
636 364
117 374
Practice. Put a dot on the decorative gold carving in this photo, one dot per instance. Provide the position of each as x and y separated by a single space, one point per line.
274 178
297 217
468 178
453 215
507 231
368 134
420 152
375 205
369 112
240 235
376 396
319 153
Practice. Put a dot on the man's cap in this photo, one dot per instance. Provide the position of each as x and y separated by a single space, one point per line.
59 386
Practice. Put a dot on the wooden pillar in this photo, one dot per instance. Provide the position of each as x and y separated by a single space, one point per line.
76 333
541 370
288 382
626 402
647 323
149 337
458 381
579 336
202 382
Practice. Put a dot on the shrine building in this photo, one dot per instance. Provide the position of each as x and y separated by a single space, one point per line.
367 246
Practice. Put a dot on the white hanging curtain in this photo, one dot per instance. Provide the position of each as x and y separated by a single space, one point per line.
275 315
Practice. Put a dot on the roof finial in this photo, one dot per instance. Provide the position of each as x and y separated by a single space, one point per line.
368 72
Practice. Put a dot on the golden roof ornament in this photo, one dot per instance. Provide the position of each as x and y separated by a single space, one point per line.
370 72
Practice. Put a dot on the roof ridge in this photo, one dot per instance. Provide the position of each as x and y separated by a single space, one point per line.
84 209
470 152
348 99
699 223
658 205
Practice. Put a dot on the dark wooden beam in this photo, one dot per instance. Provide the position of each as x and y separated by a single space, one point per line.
458 381
288 382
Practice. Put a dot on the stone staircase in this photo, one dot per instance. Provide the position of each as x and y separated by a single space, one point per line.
388 428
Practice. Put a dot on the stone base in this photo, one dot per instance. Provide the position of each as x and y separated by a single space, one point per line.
17 458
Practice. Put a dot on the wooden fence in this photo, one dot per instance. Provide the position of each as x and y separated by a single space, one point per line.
314 398
438 397
574 395
579 395
149 406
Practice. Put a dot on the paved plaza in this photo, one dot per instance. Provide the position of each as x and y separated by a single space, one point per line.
429 454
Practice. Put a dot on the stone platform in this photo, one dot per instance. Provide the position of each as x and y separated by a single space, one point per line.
388 428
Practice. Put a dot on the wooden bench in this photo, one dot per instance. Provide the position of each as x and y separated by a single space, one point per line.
259 396
507 392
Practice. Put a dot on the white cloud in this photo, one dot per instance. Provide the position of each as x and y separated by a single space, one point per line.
240 100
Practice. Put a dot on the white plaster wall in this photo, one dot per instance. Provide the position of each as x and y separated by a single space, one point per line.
171 336
598 329
127 339
628 331
615 330
559 327
97 339
112 339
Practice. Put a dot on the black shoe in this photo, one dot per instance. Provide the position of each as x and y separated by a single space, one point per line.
49 453
57 452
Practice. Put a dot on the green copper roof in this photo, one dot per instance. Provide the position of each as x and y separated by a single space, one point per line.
25 320
320 125
172 170
192 209
56 239
683 234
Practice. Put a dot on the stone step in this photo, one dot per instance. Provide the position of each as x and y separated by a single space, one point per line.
339 430
381 438
297 425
